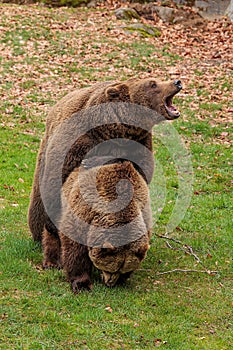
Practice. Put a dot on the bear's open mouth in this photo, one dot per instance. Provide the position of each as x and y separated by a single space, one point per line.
170 108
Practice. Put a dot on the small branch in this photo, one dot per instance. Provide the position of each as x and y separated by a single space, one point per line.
180 270
187 250
169 239
173 248
190 249
211 273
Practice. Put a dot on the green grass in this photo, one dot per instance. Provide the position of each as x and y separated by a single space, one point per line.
171 311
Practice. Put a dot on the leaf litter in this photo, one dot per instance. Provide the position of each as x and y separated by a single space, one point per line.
47 52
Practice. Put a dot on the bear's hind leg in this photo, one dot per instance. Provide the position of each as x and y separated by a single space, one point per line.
52 250
76 263
36 210
36 215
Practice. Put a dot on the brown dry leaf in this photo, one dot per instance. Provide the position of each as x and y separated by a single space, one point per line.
158 342
95 54
108 309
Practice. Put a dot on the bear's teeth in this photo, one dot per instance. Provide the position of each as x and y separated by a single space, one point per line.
171 110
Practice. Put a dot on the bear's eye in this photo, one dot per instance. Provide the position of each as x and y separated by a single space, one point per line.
153 85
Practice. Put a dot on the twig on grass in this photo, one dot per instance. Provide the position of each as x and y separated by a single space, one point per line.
187 250
181 270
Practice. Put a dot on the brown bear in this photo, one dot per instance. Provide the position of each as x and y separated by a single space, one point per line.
150 93
109 206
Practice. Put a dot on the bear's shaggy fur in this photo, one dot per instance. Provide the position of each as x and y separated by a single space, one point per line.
62 249
149 92
106 232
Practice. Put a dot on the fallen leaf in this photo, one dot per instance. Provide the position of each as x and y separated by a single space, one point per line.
109 309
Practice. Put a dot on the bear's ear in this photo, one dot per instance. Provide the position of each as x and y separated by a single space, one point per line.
109 246
118 92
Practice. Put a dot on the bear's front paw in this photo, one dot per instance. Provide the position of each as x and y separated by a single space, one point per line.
81 282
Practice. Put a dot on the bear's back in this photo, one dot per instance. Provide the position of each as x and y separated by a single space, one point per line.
73 102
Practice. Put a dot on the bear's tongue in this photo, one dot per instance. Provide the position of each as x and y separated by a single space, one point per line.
172 111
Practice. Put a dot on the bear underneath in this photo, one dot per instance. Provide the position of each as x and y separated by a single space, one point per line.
106 222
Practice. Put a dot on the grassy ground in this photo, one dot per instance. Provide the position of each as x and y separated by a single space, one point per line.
44 54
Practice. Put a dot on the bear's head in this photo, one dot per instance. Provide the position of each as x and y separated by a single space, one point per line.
117 263
149 92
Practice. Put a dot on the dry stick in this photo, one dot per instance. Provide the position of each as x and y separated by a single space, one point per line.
188 250
180 270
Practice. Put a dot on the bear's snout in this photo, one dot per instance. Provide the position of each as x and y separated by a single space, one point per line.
178 84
